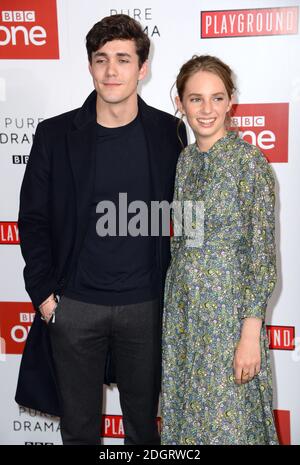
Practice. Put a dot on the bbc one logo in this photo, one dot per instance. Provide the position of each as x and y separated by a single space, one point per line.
16 319
264 125
29 30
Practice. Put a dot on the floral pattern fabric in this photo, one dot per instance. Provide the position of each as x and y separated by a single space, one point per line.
209 289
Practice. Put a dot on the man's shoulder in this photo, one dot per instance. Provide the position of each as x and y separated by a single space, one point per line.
61 120
158 114
161 113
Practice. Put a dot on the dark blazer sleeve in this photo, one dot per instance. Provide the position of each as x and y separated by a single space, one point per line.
34 223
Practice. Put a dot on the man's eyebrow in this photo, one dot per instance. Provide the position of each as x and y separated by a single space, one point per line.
119 54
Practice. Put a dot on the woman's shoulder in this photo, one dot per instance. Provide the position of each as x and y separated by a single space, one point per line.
185 159
251 158
186 155
188 150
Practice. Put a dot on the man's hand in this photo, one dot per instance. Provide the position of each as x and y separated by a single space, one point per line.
47 308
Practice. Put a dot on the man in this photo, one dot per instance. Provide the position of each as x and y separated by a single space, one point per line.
110 287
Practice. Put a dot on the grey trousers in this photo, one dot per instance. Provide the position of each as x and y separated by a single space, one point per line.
80 337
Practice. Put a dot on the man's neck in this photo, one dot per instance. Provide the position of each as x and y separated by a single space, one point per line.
113 115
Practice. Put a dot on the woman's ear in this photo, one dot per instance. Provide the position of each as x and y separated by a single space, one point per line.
179 105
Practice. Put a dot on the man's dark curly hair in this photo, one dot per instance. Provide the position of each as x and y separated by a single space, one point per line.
118 27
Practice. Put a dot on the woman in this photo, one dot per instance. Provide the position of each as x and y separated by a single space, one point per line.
217 386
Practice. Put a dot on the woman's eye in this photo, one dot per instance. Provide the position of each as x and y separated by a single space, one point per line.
198 99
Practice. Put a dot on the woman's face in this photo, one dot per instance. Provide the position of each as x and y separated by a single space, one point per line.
205 103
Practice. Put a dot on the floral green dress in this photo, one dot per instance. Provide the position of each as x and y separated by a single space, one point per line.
209 289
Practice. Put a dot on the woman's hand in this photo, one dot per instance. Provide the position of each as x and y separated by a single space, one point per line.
247 357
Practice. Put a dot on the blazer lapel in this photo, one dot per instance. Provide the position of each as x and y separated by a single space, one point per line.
155 144
82 152
81 145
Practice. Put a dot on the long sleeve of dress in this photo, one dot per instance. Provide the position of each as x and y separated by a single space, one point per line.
259 270
177 207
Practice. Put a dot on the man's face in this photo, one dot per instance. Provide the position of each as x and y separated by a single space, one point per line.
115 71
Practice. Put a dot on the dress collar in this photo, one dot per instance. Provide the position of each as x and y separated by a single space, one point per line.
220 144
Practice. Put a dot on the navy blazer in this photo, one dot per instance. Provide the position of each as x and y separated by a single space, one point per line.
53 217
